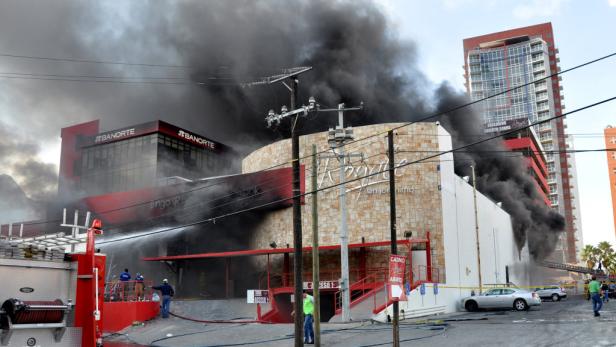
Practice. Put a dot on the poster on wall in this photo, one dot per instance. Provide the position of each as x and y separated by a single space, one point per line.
397 267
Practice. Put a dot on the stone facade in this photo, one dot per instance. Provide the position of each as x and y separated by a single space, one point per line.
418 196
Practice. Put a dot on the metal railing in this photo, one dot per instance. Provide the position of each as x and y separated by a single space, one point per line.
128 291
359 290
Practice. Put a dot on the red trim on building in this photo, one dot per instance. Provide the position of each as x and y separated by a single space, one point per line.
535 163
251 252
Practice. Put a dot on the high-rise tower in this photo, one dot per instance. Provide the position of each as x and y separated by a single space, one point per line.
524 57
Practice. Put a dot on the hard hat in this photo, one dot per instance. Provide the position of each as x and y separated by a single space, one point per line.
165 281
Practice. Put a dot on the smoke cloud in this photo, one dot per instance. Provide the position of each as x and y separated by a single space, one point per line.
19 158
355 55
502 177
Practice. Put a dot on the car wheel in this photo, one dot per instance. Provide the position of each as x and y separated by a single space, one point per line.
520 305
555 297
471 306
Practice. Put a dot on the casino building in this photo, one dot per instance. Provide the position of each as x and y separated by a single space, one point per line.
436 229
229 229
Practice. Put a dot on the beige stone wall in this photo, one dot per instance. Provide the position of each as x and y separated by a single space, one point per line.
418 196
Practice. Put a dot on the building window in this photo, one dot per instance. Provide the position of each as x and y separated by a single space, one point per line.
613 155
613 140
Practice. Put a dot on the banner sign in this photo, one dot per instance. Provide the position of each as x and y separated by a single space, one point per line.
323 285
257 296
397 267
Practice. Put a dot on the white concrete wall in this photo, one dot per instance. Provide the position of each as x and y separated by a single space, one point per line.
497 245
417 305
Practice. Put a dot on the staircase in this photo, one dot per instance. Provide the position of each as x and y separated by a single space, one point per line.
365 293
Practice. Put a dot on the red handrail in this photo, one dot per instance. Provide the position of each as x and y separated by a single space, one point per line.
128 291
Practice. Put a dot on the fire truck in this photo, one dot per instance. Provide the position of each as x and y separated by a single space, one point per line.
51 297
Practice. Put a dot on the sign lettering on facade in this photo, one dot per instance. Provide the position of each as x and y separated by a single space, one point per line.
196 139
115 135
323 285
397 268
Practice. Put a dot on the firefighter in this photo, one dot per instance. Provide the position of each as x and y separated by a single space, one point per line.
167 293
139 286
125 284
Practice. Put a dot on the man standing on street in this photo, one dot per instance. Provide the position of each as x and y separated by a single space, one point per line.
308 319
167 293
594 288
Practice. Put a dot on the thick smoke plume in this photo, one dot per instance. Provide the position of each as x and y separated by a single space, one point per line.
350 44
25 181
502 176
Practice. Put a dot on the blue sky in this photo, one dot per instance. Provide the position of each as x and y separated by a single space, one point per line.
583 30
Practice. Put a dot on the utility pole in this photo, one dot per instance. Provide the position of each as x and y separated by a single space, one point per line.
315 251
272 117
297 220
336 139
477 229
392 225
292 75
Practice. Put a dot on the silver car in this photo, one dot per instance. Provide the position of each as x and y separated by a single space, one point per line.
554 293
515 298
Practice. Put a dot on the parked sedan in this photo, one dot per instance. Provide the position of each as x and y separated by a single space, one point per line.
515 298
554 293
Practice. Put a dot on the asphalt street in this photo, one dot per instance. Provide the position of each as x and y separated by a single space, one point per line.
566 323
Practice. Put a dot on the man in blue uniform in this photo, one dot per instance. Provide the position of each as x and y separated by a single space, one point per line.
167 293
124 284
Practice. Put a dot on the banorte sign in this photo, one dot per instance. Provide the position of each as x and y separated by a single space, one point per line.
196 139
114 135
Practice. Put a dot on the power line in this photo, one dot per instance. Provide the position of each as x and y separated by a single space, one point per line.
368 175
455 108
459 107
89 61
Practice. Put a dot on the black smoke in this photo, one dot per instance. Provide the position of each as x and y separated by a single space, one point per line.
502 176
214 45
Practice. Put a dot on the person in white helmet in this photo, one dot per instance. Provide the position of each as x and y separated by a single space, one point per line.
167 293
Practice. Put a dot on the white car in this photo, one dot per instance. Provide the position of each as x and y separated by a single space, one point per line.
515 298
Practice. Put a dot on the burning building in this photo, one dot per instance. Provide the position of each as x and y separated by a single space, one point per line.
433 203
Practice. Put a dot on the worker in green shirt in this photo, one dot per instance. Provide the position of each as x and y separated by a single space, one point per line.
308 318
594 288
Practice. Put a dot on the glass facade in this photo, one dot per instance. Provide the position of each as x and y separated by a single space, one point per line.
492 71
140 162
